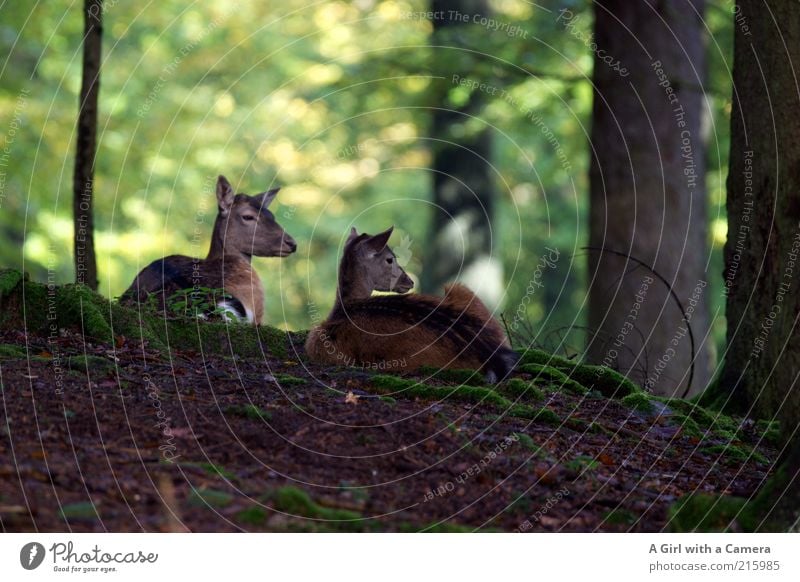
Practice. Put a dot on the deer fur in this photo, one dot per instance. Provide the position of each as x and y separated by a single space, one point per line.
244 228
404 332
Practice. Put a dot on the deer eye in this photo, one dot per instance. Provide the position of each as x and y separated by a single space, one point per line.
248 217
390 260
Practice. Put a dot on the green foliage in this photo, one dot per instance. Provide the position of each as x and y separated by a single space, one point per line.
342 130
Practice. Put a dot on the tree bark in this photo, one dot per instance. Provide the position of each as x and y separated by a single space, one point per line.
83 179
647 194
461 245
762 254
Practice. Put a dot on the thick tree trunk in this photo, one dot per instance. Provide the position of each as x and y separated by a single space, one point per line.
762 255
83 180
648 193
461 245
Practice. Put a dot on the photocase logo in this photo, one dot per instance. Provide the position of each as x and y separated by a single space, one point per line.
31 555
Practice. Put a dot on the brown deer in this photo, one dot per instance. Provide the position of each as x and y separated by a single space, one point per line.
244 228
404 331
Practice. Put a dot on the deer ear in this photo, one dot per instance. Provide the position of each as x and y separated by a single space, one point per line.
352 236
224 195
378 242
266 198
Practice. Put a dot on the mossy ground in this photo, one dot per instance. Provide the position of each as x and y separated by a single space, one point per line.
576 426
43 310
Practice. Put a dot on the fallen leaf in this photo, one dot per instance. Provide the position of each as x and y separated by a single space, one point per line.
605 459
351 398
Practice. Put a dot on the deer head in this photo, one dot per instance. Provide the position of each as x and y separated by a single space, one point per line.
368 265
246 227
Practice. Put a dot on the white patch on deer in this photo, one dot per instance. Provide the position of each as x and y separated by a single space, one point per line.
230 313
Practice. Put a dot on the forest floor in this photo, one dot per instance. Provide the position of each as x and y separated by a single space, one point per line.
135 437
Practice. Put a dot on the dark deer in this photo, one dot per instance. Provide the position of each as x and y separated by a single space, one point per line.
404 331
244 229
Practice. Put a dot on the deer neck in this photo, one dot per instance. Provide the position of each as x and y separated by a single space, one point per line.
218 248
353 286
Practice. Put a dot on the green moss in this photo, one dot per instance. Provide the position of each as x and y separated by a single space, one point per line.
255 515
455 376
769 431
519 388
90 363
38 307
78 303
605 380
297 502
720 424
250 411
212 469
638 401
598 428
582 464
553 376
608 382
533 356
9 279
10 351
620 516
210 498
81 510
412 389
577 424
408 388
739 453
289 380
705 513
763 513
388 400
689 427
528 443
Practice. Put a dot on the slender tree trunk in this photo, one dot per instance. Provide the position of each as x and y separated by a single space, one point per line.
83 181
461 245
762 255
648 193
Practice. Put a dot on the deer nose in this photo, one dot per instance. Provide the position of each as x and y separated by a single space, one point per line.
289 242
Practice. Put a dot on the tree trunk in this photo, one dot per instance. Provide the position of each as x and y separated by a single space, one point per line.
762 255
83 180
647 199
461 245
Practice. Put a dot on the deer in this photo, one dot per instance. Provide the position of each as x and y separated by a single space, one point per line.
404 331
244 228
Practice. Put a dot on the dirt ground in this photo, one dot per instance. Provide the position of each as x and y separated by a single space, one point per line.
127 438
